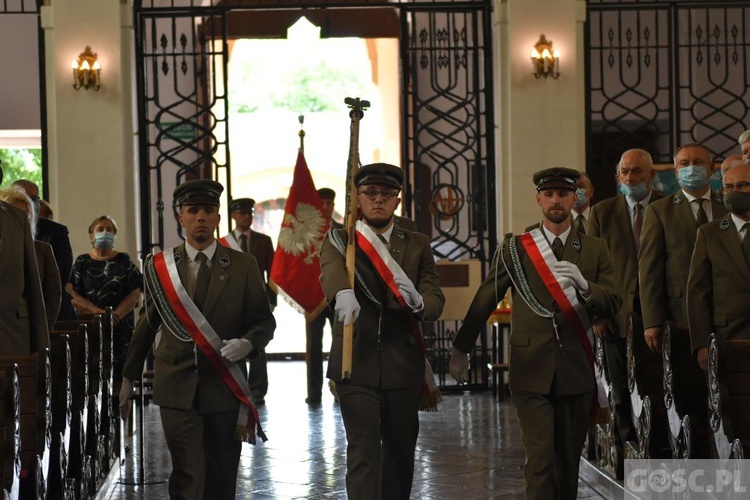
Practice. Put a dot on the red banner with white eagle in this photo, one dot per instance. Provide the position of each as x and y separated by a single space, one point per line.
296 264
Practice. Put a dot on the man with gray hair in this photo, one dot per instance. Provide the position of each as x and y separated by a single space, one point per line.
744 142
618 221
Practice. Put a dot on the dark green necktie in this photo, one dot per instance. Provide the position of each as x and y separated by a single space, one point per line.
557 248
701 217
579 224
637 225
243 243
201 283
746 243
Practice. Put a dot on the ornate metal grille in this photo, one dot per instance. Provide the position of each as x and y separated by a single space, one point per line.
665 73
448 120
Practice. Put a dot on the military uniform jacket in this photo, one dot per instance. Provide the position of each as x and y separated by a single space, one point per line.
667 241
536 359
610 220
236 307
23 324
718 293
260 246
385 353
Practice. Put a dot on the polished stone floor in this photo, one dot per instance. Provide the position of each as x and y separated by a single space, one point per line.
471 448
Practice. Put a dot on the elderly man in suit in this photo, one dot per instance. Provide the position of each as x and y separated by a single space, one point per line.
56 235
210 303
396 288
618 221
260 246
744 142
670 226
718 290
560 279
23 324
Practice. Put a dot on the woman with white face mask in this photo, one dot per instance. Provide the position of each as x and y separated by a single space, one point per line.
104 278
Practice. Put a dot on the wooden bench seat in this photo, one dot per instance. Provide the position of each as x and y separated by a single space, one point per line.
10 431
685 395
729 397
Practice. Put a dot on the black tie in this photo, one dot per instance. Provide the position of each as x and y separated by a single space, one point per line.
637 225
579 224
201 283
243 243
557 248
701 217
746 243
382 238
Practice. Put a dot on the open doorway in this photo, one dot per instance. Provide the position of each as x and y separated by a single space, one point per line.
271 83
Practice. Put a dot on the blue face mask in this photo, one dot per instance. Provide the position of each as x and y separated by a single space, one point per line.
581 197
104 240
692 177
636 192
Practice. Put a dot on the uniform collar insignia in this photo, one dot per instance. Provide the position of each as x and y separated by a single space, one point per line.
677 199
576 244
3 207
177 258
400 233
724 224
718 198
224 261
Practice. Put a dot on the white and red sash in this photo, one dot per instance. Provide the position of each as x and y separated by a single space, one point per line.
388 268
565 296
208 341
230 241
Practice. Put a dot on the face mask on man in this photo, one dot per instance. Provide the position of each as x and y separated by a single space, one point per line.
104 240
636 192
737 202
581 197
692 177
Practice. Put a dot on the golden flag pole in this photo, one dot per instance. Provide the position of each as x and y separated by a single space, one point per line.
357 107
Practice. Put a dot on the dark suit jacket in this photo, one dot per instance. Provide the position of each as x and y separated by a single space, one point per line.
667 241
23 325
535 358
718 293
261 247
385 354
50 280
236 307
610 221
56 235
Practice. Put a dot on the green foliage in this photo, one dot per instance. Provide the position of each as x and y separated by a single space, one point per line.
21 164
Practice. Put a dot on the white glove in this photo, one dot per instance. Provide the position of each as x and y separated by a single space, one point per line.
126 395
459 366
410 294
236 349
347 306
570 271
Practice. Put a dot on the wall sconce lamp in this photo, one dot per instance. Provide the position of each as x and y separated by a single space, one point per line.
545 61
86 71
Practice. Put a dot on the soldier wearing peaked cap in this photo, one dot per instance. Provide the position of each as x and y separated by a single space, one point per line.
260 246
559 278
210 304
395 289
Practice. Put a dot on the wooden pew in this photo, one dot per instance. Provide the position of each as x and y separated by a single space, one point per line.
685 395
10 438
34 374
604 434
79 463
729 397
645 382
59 485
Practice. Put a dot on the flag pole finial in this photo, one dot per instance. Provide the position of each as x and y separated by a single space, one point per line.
301 132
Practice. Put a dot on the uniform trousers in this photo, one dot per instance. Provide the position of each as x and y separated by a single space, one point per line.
381 434
257 378
553 429
314 354
205 453
615 350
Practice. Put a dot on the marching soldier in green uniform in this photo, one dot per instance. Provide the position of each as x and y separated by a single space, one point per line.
559 279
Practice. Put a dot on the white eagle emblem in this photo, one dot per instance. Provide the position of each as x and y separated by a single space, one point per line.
301 233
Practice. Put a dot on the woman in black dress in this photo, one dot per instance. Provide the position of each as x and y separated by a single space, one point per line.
104 278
